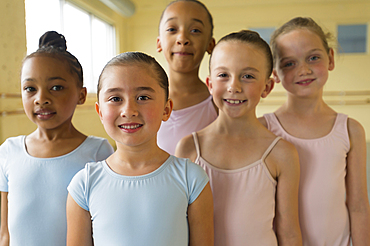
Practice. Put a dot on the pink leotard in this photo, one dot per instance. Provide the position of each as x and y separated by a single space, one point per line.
244 202
323 212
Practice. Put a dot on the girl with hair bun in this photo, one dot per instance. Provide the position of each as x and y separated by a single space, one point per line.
254 175
36 169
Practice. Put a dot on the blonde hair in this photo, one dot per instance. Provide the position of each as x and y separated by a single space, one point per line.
299 23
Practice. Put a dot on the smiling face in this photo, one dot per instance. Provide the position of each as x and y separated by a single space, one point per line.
185 35
238 78
50 92
132 104
302 63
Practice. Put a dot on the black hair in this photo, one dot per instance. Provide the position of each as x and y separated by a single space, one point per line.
138 58
250 37
194 1
54 45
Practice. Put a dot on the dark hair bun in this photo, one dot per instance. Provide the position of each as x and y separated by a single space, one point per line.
53 39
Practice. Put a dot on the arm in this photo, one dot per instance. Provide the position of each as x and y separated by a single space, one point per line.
200 217
4 233
287 175
357 199
79 227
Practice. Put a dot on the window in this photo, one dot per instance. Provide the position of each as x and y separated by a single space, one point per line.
352 38
264 32
89 38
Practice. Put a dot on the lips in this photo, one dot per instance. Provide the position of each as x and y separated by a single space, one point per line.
130 127
235 101
44 114
182 53
305 82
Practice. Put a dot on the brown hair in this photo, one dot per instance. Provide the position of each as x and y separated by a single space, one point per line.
299 23
250 37
138 58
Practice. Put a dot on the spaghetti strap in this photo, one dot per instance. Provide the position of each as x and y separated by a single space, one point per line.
272 145
196 143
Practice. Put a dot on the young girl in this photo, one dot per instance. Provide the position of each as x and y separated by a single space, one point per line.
140 195
254 175
333 203
185 34
35 170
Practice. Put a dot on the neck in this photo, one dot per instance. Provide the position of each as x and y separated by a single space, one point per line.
305 106
178 80
63 132
138 157
246 126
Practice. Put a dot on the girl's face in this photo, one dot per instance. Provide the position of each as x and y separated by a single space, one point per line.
132 104
302 63
50 92
184 36
238 78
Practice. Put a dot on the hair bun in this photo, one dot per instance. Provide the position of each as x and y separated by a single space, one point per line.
53 39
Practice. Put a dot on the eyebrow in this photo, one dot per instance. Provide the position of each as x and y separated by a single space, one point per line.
141 88
244 69
310 51
194 19
49 79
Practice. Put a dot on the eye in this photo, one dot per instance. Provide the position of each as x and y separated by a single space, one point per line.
248 76
143 98
29 89
314 58
170 29
114 99
288 64
195 31
57 88
222 75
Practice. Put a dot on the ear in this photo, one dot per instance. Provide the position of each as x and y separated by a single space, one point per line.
159 46
209 84
97 109
275 76
211 46
331 60
167 110
83 94
268 87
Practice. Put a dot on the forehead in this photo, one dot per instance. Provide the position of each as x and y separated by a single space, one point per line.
129 76
181 9
44 65
298 40
242 53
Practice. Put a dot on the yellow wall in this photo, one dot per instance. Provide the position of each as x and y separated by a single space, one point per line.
350 73
139 32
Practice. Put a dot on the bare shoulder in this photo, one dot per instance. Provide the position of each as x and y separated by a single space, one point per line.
355 129
263 121
186 148
284 157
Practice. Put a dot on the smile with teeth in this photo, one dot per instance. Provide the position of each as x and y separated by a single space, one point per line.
44 113
234 101
130 126
305 81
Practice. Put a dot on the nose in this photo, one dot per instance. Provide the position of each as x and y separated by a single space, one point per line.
129 109
234 86
182 38
42 97
305 69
